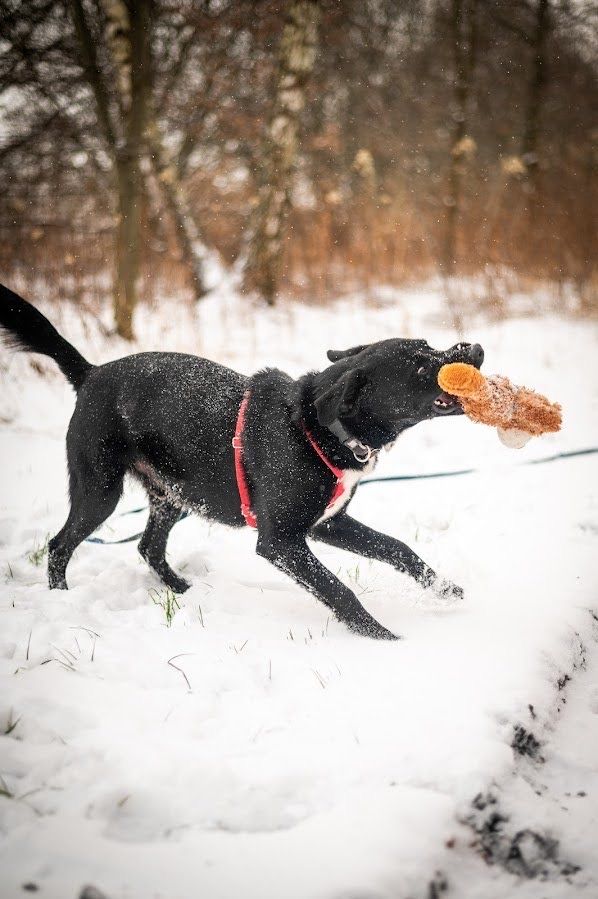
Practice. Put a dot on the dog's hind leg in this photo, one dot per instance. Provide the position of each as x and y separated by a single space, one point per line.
152 546
93 500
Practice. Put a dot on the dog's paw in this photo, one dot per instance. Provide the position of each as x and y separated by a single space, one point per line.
381 633
369 627
447 591
178 584
171 579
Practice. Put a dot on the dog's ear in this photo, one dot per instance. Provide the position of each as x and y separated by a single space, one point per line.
335 355
342 398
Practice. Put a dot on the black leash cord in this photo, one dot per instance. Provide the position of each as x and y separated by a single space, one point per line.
449 474
571 454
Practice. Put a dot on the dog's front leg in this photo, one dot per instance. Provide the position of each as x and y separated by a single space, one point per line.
347 533
293 556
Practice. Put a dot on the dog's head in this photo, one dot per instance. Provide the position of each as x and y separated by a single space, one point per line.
380 389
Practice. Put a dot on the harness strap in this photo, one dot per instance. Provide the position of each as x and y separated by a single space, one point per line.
339 487
241 475
242 485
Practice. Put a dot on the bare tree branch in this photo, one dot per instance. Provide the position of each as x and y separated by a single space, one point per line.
92 71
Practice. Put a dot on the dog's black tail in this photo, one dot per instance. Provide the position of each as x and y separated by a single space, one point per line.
25 328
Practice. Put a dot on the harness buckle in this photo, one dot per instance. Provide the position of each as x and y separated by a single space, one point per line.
237 443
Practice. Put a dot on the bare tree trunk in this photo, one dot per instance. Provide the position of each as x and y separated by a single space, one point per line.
464 38
128 38
176 201
297 55
125 167
128 30
536 89
127 244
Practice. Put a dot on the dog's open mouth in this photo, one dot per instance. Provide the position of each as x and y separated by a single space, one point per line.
445 404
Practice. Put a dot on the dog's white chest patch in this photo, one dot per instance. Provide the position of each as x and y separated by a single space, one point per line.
350 480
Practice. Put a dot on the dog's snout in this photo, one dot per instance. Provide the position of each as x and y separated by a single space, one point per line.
477 354
471 353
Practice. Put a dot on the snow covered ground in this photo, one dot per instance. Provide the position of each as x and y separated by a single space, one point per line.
254 747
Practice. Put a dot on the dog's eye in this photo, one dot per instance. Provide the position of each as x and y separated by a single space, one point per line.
422 370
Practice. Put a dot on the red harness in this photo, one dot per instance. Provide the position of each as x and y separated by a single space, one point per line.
242 485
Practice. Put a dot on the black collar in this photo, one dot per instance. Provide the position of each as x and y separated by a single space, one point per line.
362 452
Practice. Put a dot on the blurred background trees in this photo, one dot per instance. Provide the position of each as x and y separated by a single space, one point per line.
142 141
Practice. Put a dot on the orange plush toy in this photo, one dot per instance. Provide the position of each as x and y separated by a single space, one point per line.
516 412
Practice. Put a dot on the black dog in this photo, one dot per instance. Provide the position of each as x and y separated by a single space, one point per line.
168 419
